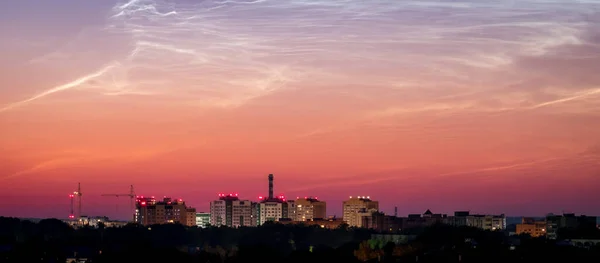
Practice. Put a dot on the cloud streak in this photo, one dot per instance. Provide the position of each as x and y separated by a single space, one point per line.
227 53
67 86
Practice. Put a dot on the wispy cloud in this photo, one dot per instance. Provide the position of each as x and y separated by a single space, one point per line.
72 158
67 86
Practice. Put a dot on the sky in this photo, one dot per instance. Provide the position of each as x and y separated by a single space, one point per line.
480 105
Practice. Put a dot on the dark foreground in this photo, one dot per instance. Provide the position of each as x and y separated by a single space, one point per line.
53 241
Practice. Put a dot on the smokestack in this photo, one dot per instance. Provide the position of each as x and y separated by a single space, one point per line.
270 186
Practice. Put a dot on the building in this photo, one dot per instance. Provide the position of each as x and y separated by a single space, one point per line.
485 222
556 222
203 219
190 216
269 211
328 223
149 211
289 209
95 222
423 220
355 208
230 211
273 208
381 222
460 218
531 227
309 208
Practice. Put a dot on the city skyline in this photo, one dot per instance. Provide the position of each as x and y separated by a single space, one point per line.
471 105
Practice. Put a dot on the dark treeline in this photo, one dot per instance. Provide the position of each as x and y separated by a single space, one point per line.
52 240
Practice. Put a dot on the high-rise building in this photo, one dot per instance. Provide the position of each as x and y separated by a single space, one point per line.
289 209
357 207
230 211
149 211
309 208
273 208
203 219
270 211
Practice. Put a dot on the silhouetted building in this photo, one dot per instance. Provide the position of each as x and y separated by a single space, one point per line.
382 222
556 222
423 220
149 211
485 222
329 223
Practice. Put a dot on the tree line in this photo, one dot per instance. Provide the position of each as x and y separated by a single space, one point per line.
52 240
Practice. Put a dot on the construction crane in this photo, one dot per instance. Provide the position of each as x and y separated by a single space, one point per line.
75 214
131 196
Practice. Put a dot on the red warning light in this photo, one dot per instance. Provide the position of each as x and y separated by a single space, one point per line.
260 197
180 200
143 203
71 195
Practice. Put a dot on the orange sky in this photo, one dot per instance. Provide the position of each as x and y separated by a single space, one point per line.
469 109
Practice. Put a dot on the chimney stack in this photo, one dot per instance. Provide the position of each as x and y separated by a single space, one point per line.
270 186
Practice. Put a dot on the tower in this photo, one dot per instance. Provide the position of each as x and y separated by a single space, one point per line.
78 195
271 187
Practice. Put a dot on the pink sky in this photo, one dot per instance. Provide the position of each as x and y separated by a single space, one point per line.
465 106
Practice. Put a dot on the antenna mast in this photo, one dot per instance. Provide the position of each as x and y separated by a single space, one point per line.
71 215
132 199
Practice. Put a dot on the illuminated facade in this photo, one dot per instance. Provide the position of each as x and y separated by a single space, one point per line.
230 211
94 222
309 208
203 220
531 227
149 211
357 207
273 208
